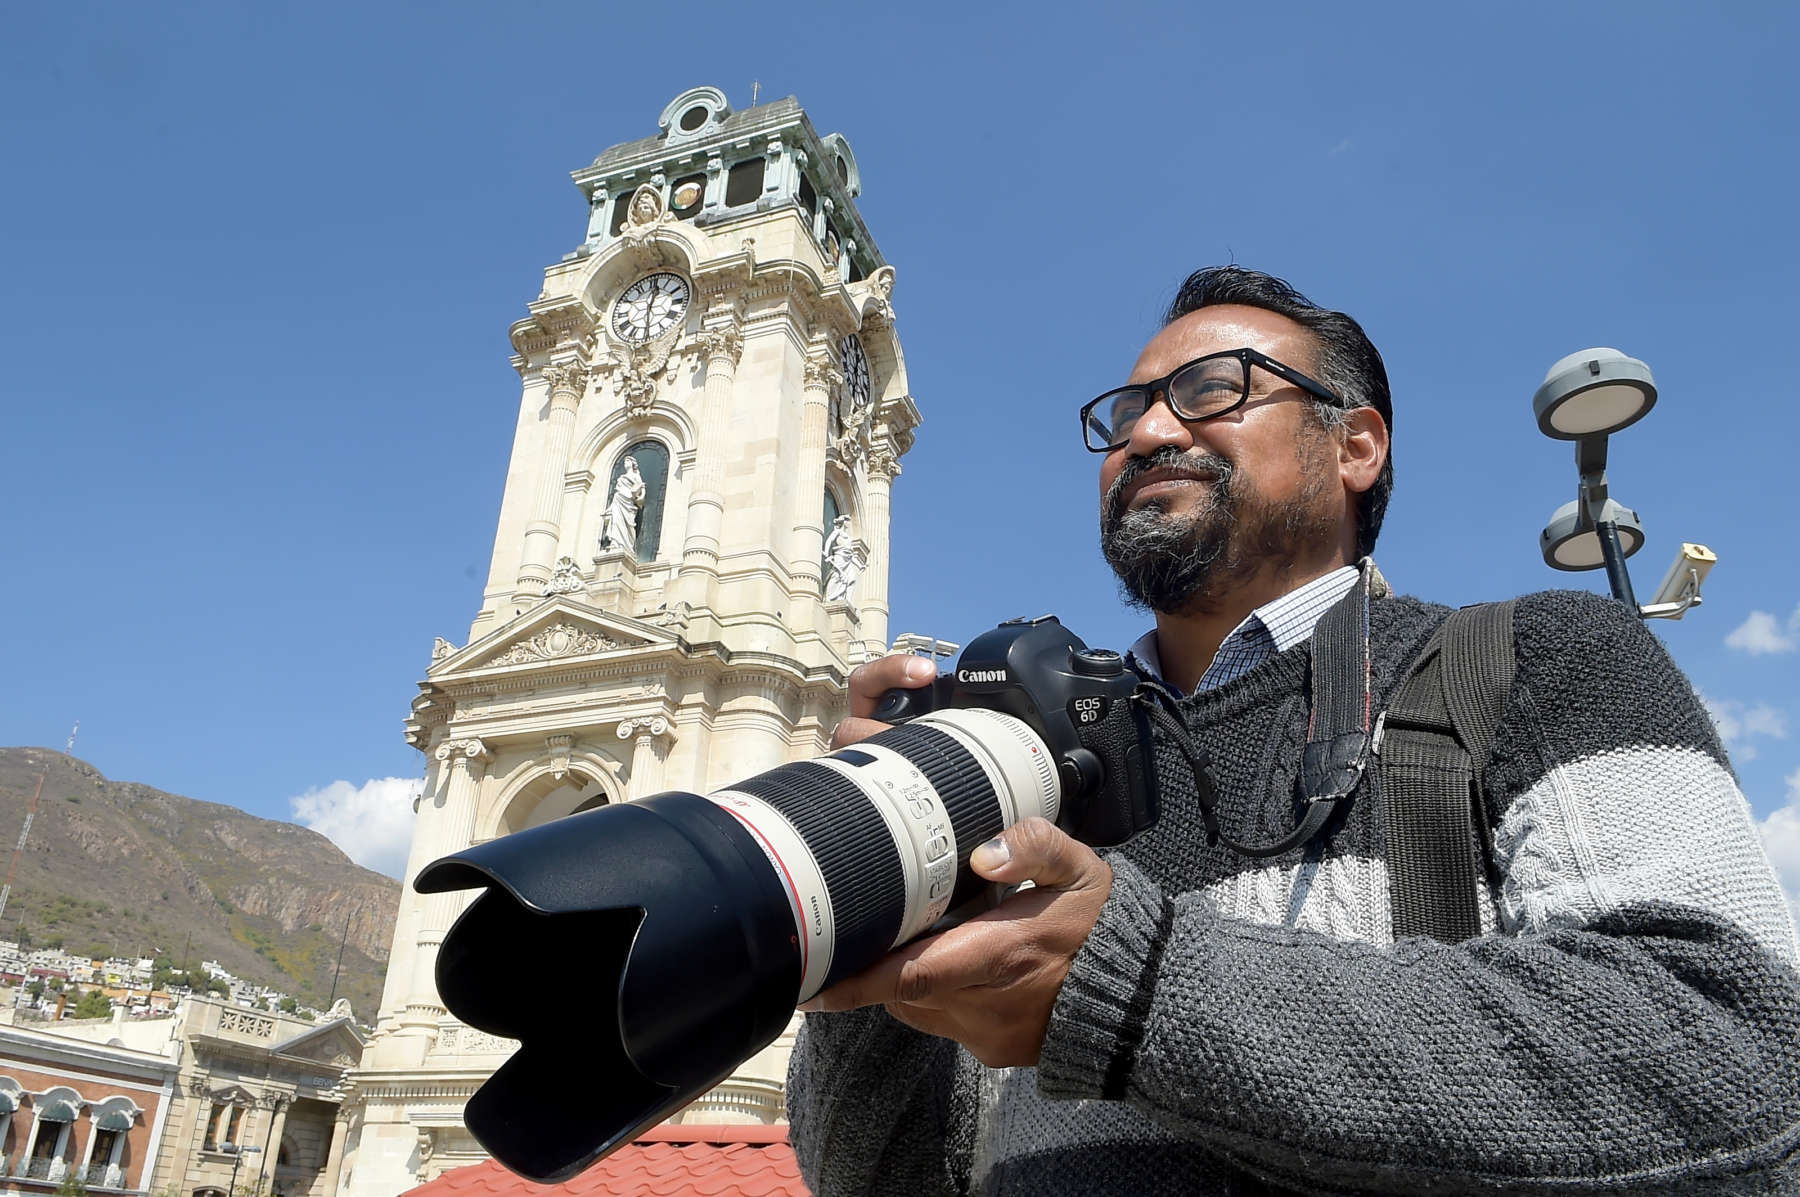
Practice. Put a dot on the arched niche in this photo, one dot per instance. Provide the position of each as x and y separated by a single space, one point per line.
539 796
652 459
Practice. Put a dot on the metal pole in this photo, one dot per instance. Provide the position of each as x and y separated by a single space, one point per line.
338 968
1614 553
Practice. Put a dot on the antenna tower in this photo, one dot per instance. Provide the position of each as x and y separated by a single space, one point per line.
30 814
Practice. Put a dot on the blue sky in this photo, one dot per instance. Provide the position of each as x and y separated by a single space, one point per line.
259 263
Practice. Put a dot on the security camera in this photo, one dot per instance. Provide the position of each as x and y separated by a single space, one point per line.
1680 587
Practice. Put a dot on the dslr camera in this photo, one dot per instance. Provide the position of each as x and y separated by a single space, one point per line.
703 920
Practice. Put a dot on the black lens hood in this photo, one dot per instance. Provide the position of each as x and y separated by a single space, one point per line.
679 958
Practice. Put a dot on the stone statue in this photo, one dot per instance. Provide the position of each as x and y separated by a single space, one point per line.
843 561
620 532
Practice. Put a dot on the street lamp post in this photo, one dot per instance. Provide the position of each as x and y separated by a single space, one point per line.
1586 397
237 1154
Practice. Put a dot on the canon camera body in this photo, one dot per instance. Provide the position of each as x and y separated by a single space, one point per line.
698 922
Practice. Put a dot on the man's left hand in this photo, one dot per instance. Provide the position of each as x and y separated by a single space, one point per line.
990 983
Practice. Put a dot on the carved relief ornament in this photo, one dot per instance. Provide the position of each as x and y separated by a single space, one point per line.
654 725
638 369
647 211
565 578
471 748
560 747
721 345
557 640
884 463
822 373
566 380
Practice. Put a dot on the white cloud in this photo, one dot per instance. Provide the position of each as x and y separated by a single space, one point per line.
1762 633
1741 723
1781 837
372 822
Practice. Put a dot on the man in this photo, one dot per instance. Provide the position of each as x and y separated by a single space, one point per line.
1180 1018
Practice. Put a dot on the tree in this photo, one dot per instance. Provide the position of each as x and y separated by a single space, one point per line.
72 1185
93 1004
35 988
288 1005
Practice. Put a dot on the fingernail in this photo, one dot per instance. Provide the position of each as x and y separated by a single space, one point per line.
919 669
994 853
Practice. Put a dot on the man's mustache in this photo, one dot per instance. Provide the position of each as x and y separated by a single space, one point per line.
1204 467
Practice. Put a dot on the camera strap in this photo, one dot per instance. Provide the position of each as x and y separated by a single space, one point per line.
1338 727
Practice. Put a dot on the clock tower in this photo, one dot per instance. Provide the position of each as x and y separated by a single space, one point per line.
691 555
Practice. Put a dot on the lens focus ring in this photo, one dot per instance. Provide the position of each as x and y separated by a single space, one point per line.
855 852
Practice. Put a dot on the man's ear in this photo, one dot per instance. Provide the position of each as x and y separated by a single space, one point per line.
1362 448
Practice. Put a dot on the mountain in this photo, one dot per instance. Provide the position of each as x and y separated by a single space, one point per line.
115 868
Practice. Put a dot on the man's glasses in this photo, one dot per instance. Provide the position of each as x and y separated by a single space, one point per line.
1200 390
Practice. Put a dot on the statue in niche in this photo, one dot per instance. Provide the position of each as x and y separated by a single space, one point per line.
620 532
843 561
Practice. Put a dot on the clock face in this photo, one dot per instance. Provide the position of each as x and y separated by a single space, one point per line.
856 373
650 307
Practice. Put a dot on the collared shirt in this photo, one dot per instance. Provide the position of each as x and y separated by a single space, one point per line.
1274 627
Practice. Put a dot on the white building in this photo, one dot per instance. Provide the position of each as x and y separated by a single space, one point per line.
711 379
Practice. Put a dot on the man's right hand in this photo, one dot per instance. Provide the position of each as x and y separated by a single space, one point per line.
868 683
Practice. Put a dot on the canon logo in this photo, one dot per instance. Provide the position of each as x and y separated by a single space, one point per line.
980 675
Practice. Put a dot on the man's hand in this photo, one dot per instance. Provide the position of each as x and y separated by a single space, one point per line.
990 983
868 683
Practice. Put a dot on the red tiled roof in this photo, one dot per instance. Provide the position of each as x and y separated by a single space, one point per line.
664 1161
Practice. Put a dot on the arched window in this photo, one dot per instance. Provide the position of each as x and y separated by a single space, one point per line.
652 459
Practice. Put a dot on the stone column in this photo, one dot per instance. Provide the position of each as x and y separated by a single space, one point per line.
715 183
776 167
884 466
87 1151
455 828
566 386
334 1155
706 506
649 747
271 1152
597 208
396 985
806 543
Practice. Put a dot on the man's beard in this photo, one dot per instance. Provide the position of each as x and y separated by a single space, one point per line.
1182 564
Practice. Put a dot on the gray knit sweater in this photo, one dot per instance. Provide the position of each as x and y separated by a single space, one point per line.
1629 1022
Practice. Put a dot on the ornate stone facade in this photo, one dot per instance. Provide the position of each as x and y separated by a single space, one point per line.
702 327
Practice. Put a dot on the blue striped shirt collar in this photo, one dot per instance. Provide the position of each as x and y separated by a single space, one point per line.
1274 627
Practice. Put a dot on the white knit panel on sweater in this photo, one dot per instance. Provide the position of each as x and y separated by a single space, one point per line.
1637 825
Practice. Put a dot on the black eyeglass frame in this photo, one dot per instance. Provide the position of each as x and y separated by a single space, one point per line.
1249 357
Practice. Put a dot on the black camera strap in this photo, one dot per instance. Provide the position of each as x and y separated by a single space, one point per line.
1338 728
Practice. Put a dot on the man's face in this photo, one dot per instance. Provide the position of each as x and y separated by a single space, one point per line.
1190 508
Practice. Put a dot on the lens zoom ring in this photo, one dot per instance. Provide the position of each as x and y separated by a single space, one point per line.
855 852
956 775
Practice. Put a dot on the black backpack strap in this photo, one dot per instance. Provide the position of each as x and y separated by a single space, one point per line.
1436 735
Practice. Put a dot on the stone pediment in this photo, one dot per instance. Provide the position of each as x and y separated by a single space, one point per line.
560 629
335 1043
